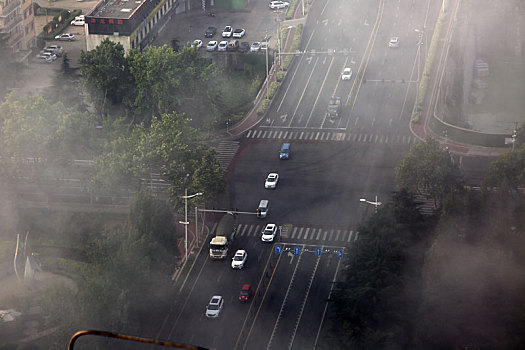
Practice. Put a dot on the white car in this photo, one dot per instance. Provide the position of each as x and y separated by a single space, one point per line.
347 74
214 307
65 37
223 46
256 46
197 44
239 259
54 49
227 32
268 234
278 5
394 42
46 56
271 180
212 46
79 21
239 33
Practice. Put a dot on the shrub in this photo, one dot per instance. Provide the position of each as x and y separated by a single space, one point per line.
263 106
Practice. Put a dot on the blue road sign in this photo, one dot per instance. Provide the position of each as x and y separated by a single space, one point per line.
278 249
297 250
339 253
318 251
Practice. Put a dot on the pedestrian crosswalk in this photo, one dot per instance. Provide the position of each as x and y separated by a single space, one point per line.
330 135
302 233
225 152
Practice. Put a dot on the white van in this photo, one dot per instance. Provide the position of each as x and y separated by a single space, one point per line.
262 210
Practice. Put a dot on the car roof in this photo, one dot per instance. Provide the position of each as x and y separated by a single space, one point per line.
215 297
240 251
273 175
270 226
246 287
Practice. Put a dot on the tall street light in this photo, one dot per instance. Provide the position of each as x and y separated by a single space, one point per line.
186 222
375 204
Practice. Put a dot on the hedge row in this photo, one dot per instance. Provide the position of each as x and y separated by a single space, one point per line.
58 24
272 89
423 85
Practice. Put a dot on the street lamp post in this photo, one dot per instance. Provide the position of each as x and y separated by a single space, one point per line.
186 222
514 135
267 81
375 203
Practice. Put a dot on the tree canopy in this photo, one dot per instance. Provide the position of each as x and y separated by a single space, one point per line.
429 170
507 173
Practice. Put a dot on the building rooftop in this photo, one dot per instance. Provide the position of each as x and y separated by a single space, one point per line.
119 9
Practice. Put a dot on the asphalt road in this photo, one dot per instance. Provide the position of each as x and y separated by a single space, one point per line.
333 165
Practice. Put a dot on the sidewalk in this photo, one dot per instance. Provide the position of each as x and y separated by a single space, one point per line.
421 129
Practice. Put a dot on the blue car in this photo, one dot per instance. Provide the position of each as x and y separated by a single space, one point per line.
285 151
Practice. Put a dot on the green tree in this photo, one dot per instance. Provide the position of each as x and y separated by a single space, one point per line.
507 173
52 135
374 302
429 170
157 77
105 72
208 175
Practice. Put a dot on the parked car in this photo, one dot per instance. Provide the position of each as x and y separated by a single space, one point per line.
246 293
227 32
46 56
197 44
55 49
79 21
214 307
223 46
233 45
256 46
65 37
278 5
210 32
239 33
212 45
244 46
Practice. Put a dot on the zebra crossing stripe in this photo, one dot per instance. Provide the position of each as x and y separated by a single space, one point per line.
371 137
319 234
377 136
285 134
264 134
249 133
350 236
331 235
324 236
294 232
359 138
404 139
337 235
386 139
301 136
356 234
306 233
270 134
250 230
354 137
239 228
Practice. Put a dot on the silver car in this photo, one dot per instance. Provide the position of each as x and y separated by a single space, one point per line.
214 307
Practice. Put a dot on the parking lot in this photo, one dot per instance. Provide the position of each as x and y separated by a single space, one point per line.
257 19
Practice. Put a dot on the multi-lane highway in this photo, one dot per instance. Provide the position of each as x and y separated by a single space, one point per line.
334 162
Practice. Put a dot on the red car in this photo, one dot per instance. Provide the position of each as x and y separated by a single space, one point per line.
246 293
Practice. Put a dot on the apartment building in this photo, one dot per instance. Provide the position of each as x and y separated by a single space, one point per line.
17 23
